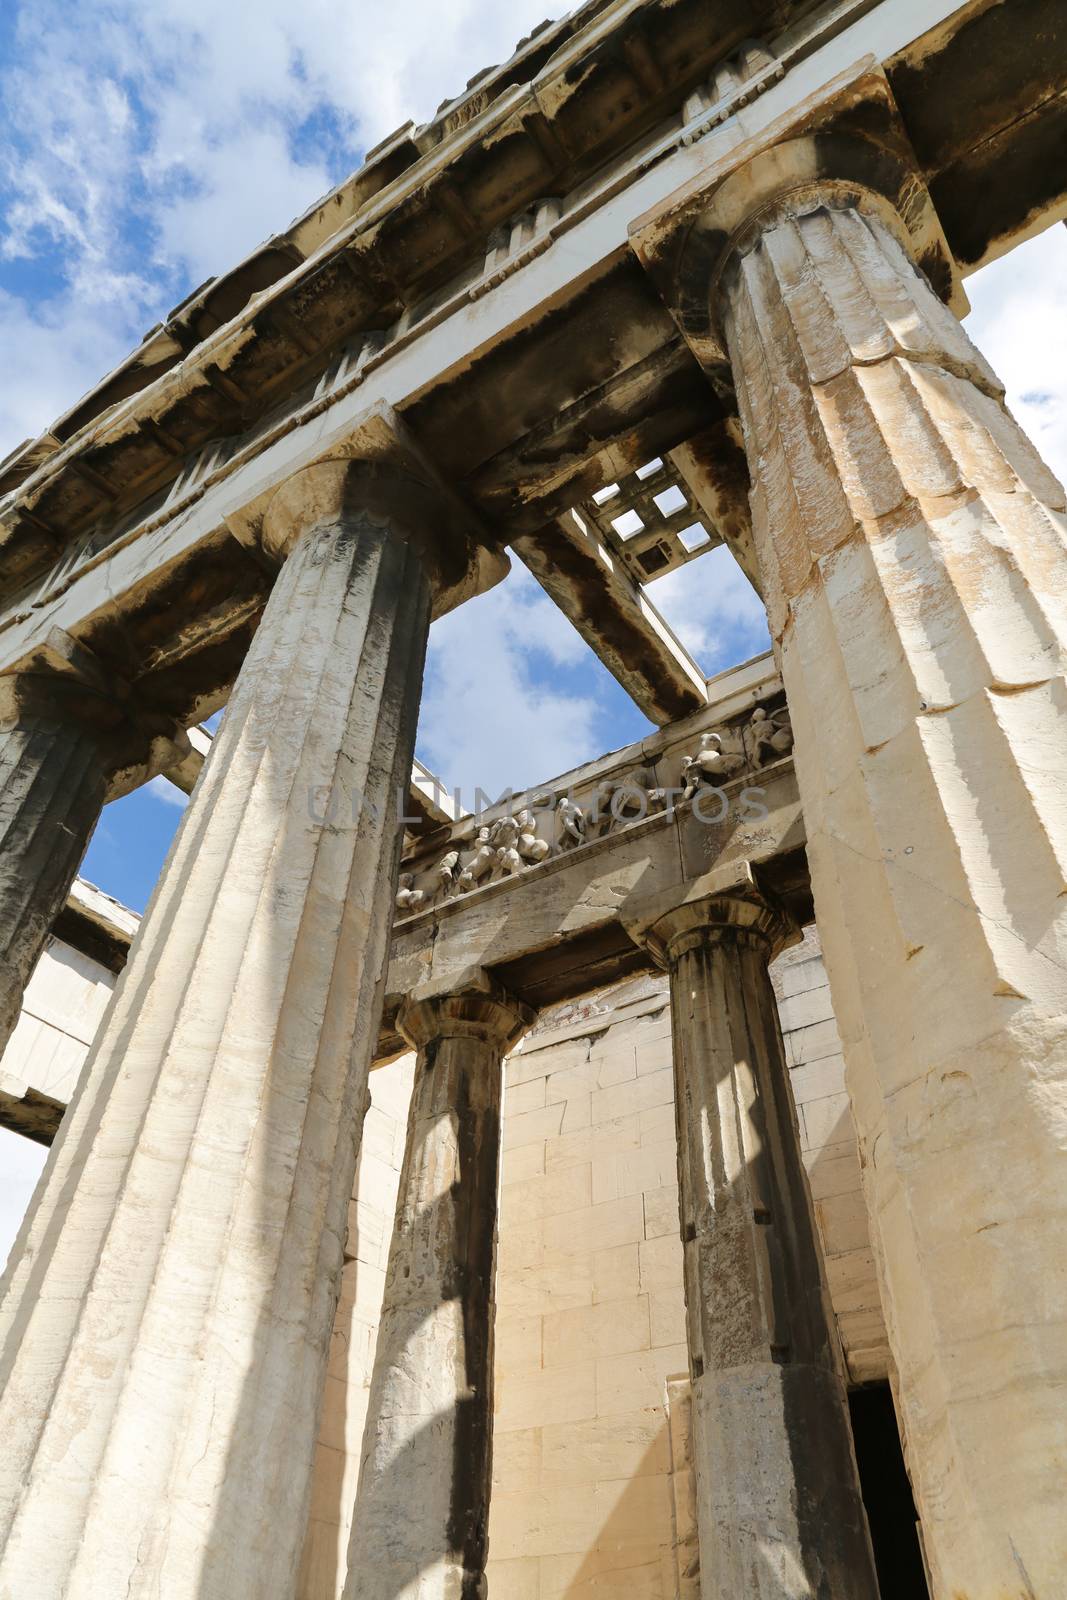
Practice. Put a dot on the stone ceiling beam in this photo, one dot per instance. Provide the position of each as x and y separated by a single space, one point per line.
615 618
714 467
184 775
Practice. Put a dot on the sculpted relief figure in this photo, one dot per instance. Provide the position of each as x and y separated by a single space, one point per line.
510 843
408 898
483 859
771 733
572 822
516 842
629 799
529 846
711 765
447 872
508 859
504 832
504 847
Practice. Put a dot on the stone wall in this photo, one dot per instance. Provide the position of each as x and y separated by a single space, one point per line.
61 1010
591 1480
590 1309
828 1138
344 1408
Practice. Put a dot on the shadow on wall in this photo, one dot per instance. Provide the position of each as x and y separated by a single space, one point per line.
633 1554
343 1424
343 1407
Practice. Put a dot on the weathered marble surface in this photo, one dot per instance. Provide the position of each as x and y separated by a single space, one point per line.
169 1305
778 1499
420 1528
52 786
915 569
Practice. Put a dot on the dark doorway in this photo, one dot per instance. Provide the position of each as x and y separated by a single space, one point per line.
887 1494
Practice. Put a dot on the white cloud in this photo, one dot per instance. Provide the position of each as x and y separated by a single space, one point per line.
162 789
20 1167
252 187
1019 321
153 143
713 609
51 355
492 716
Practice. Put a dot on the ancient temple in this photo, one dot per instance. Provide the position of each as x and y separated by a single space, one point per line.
651 1184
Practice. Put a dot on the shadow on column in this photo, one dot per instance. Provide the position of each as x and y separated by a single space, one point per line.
324 1570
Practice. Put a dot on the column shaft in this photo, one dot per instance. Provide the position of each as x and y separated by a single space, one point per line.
422 1509
71 735
779 1506
52 786
914 561
168 1313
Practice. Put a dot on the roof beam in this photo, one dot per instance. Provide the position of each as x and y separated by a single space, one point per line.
714 467
615 618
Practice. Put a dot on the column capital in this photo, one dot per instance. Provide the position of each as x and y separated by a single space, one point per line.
727 904
67 683
472 1006
849 147
383 480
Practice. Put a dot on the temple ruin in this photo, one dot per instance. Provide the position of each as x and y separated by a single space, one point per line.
652 1184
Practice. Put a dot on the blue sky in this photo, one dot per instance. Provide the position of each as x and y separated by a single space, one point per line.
151 143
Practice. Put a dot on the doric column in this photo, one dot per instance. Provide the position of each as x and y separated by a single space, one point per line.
65 731
778 1497
422 1509
915 567
171 1298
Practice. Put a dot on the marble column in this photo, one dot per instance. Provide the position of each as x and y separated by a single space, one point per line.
170 1300
778 1500
65 731
422 1510
914 561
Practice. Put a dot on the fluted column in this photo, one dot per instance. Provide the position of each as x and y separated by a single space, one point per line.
914 561
170 1301
421 1519
778 1498
64 732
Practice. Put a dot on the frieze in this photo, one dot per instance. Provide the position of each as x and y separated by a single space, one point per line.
702 769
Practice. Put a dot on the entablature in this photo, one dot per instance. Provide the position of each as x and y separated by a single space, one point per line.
535 887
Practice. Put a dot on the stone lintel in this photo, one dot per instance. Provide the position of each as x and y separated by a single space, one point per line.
615 618
27 1111
560 927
